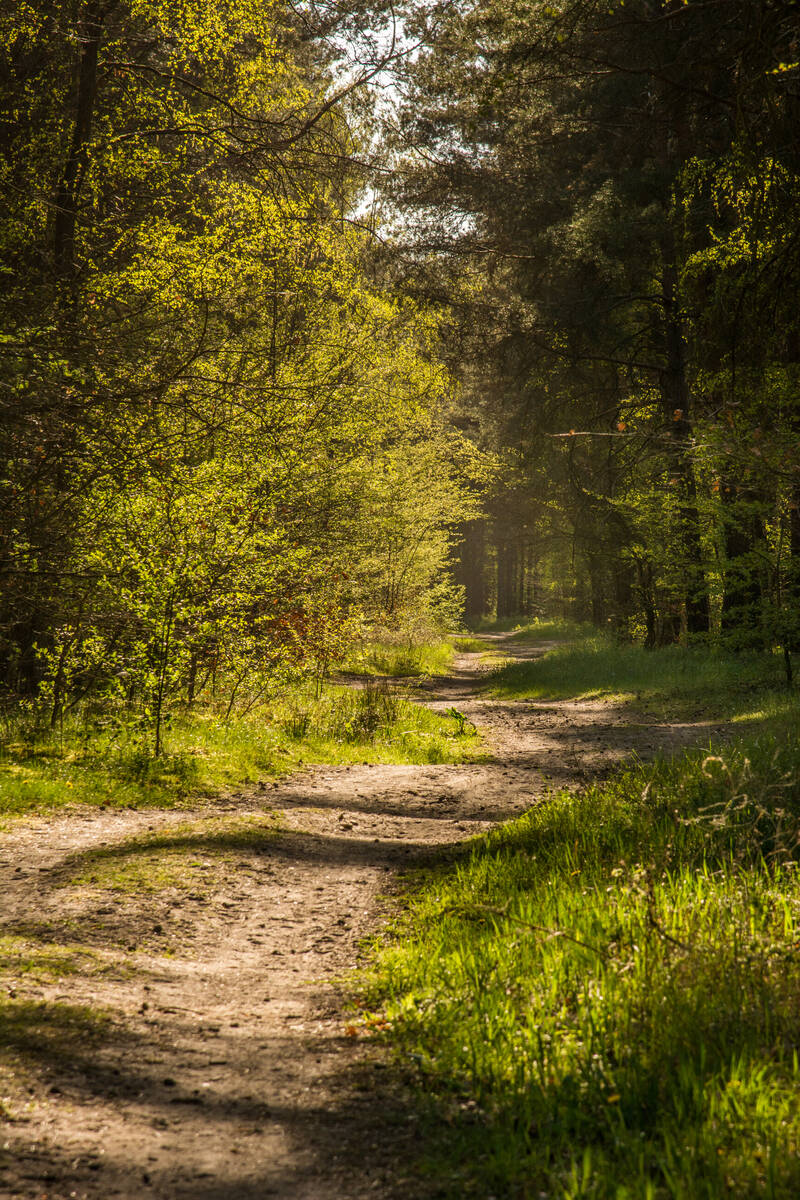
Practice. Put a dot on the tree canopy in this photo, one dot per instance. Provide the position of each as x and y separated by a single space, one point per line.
219 427
610 192
236 426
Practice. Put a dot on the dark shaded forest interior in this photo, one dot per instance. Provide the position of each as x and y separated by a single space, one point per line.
621 181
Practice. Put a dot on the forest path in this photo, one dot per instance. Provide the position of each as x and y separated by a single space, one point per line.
226 1071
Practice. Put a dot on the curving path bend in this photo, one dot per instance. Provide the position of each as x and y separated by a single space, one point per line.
229 1071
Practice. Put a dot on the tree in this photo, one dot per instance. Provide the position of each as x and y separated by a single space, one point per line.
198 369
554 147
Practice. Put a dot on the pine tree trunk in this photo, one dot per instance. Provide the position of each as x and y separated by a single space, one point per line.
470 568
69 188
675 402
742 531
505 578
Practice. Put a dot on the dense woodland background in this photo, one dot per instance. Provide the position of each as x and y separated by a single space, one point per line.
224 439
609 193
284 359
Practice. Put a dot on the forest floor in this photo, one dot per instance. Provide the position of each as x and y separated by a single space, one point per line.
174 1008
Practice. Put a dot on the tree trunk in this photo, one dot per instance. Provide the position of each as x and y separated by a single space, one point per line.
742 531
530 581
69 188
675 403
644 573
506 560
794 567
596 581
469 569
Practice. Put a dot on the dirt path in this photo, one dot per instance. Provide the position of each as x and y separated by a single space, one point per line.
228 1070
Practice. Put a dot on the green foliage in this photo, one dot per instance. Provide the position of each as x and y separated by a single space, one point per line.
225 446
112 765
675 681
601 1001
623 278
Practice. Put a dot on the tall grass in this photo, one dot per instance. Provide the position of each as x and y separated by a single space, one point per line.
604 1000
403 658
673 680
111 764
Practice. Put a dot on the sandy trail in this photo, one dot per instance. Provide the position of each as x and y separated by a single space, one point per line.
227 1072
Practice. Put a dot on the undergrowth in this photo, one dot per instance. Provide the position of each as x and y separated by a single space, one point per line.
603 1001
104 761
672 682
403 658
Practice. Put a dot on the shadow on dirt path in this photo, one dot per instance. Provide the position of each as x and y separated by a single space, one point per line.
227 1069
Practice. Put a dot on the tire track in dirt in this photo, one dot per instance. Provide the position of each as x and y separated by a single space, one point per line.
227 1072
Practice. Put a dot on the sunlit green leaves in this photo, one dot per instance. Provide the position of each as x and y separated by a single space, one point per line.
205 383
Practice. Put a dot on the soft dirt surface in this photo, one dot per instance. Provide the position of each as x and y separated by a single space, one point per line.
230 1067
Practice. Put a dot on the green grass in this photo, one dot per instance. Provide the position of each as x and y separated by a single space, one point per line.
44 961
499 624
189 856
206 754
472 645
49 1030
537 628
406 659
550 631
603 1000
673 682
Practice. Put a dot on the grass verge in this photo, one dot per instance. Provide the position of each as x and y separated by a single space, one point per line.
603 1001
536 628
671 682
404 659
472 645
206 754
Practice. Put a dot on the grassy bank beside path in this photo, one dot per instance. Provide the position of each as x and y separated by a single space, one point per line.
602 999
104 759
405 659
672 682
